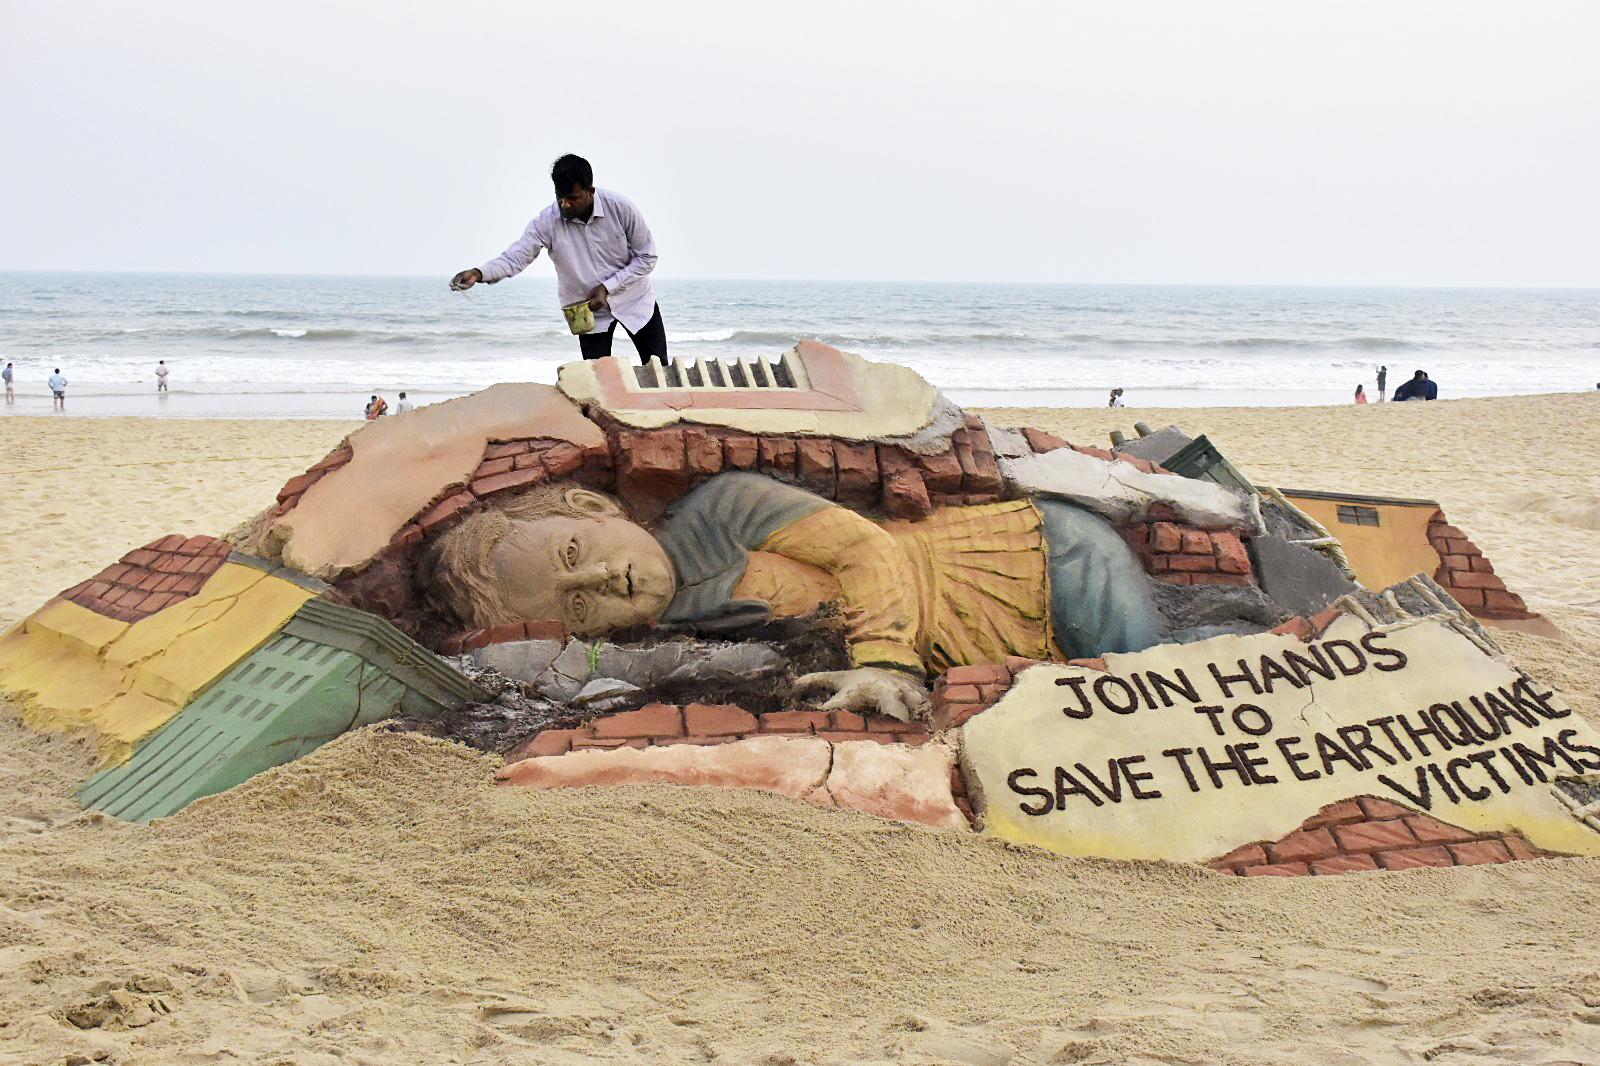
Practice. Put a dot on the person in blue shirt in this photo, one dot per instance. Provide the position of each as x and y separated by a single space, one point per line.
1418 388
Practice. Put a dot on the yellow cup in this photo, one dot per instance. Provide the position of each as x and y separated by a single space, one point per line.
579 318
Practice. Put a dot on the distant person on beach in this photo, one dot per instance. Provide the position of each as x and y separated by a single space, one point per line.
1116 398
603 254
1383 382
1418 388
58 389
8 374
1361 394
161 375
402 405
377 408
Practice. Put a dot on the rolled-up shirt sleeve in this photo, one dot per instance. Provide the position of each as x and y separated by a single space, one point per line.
515 259
641 246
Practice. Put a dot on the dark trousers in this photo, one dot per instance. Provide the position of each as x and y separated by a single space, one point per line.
651 340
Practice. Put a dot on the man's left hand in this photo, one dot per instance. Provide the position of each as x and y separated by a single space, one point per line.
597 297
869 689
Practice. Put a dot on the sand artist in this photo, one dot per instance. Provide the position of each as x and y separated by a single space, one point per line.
1036 578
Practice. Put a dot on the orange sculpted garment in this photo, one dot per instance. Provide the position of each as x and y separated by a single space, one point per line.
968 585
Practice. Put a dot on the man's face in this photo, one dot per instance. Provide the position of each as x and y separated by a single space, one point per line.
576 203
594 575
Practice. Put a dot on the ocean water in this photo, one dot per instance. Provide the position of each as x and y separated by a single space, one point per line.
300 346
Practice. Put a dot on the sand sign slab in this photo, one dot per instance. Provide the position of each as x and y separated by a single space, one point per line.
1187 751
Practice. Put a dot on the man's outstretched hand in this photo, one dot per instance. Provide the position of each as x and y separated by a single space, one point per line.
466 280
870 689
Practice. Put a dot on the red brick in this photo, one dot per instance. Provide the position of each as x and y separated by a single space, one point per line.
980 674
1089 664
1502 601
814 465
1373 836
1016 664
406 535
651 720
1341 813
776 456
1174 579
200 546
739 452
198 564
1098 453
905 494
794 721
988 694
147 580
1519 847
1040 441
1414 858
544 743
451 646
1461 547
1376 808
511 479
160 600
334 459
113 573
1196 542
1468 598
445 509
1142 465
1432 831
702 450
141 557
1345 864
298 484
1244 855
505 632
709 720
951 715
1456 562
1476 580
1191 563
961 694
1294 627
503 449
545 629
129 599
876 724
491 467
1232 558
835 736
941 473
856 466
910 740
560 459
1287 869
1303 846
1445 529
167 543
188 583
850 722
1479 852
1479 563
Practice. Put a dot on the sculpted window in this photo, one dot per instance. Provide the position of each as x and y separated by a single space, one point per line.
1352 515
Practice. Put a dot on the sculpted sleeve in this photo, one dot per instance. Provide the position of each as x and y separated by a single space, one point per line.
875 581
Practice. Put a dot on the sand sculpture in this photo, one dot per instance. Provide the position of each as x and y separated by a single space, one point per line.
819 577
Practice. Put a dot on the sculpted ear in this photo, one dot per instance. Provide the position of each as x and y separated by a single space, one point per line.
590 504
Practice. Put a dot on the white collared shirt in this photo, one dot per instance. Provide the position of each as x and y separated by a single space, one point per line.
612 248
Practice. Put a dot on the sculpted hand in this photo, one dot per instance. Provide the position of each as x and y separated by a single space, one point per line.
597 297
466 280
869 689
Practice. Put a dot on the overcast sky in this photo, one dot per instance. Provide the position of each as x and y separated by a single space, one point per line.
1387 143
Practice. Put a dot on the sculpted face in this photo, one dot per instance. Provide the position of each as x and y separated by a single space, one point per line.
595 575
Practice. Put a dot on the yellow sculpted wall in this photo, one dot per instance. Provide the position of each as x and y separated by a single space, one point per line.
73 668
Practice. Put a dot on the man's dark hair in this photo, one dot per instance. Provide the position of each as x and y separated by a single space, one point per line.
571 171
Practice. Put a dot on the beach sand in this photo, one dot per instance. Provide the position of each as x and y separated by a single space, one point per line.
380 902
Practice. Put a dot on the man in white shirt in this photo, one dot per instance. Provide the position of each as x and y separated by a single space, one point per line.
58 389
603 253
161 375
